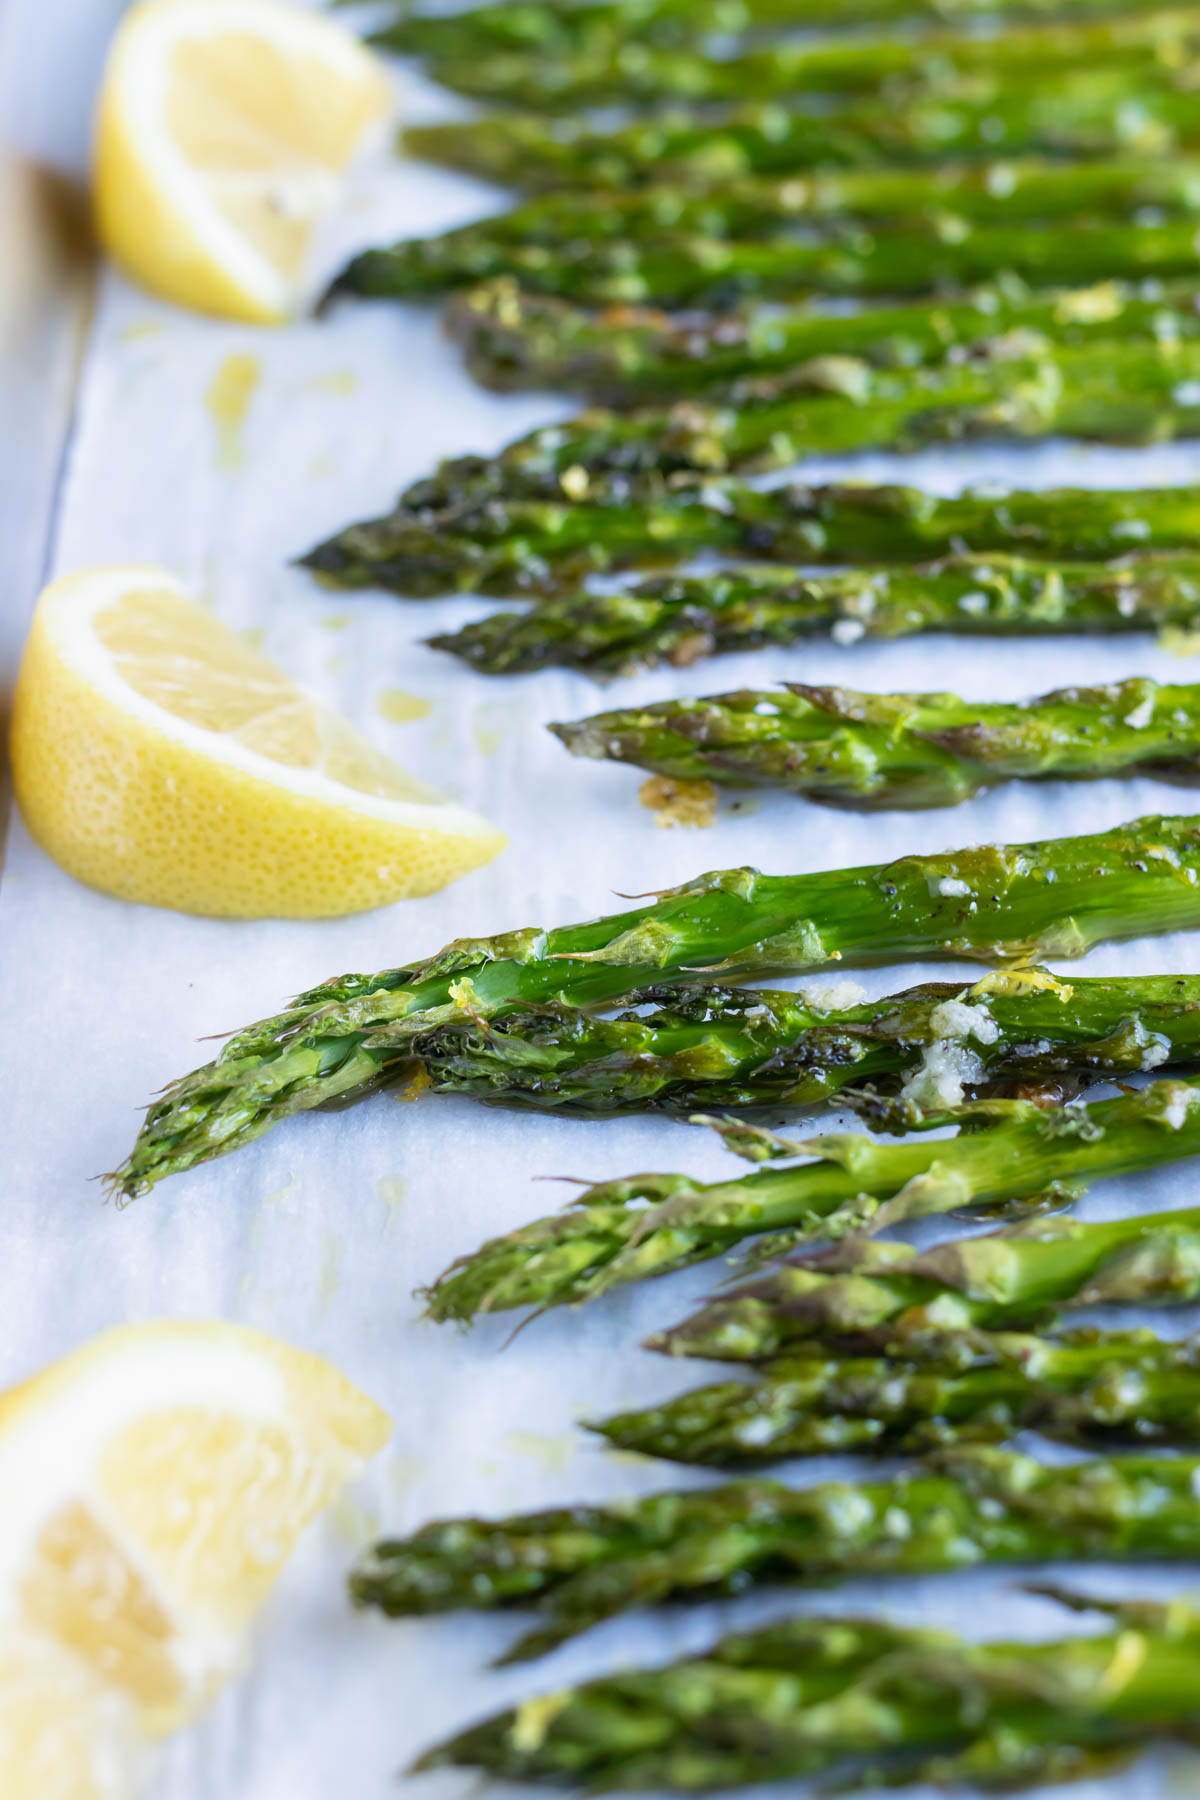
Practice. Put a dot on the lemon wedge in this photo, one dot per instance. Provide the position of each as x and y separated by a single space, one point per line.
152 1485
159 757
223 132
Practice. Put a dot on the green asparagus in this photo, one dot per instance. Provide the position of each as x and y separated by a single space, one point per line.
1091 112
1032 191
542 547
1009 1152
678 619
1088 1388
1110 393
877 1703
349 1036
868 1294
607 23
633 73
750 1047
846 258
630 356
900 750
580 1565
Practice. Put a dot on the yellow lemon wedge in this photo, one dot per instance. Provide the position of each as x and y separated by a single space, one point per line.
159 757
223 132
152 1485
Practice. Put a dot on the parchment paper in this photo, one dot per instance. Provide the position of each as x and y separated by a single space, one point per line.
322 1231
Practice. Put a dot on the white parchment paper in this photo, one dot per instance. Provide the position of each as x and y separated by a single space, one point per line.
322 1231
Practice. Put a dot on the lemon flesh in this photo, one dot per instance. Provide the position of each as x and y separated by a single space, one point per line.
158 757
223 132
153 1484
63 1734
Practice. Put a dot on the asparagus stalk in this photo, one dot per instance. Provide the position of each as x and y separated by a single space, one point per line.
1032 191
541 24
725 1047
871 1295
887 750
890 1704
678 619
650 1225
634 73
844 258
1088 1388
580 1565
539 547
347 1037
629 356
1093 112
1110 393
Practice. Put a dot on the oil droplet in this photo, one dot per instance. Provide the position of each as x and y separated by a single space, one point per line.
398 707
404 1472
691 803
278 1195
488 726
552 1450
1176 640
356 1525
331 1265
143 328
392 1189
421 1082
335 622
228 400
333 665
338 381
321 468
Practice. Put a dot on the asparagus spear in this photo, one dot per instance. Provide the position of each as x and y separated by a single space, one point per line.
633 73
580 1565
892 1705
628 355
1087 1388
678 619
853 749
1031 191
345 1038
729 1047
1093 112
845 257
649 1225
868 1294
539 547
541 24
1110 393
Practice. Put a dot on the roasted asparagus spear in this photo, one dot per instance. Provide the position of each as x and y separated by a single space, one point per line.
678 619
349 1036
650 1225
869 1294
543 24
1092 1388
426 546
579 1565
635 73
1088 112
631 356
748 1047
895 750
879 1703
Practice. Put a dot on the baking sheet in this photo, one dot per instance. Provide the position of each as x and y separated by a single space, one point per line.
322 1231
